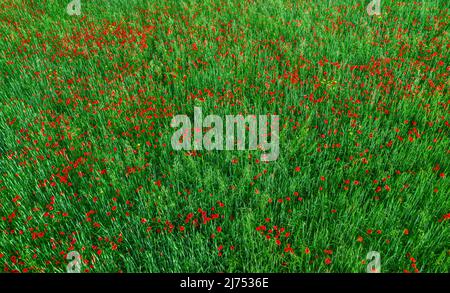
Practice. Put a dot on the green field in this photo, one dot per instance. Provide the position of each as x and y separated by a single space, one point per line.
86 162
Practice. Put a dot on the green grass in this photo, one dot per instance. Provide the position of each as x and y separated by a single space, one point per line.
86 162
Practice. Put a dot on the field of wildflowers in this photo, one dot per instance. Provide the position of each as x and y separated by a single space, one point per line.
87 166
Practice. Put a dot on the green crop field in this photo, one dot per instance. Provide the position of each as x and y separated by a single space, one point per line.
87 166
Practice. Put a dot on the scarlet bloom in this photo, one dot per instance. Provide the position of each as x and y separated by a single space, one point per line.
297 169
406 231
307 251
327 261
289 249
219 229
